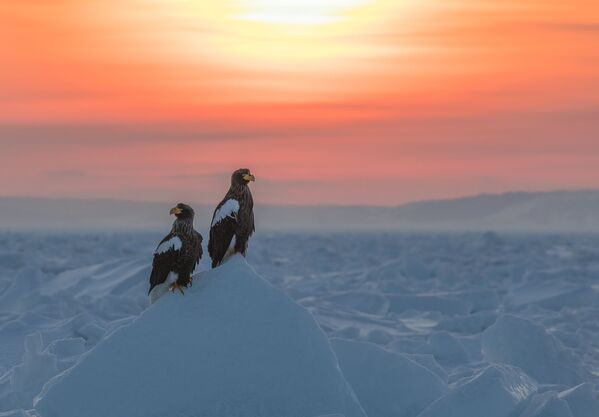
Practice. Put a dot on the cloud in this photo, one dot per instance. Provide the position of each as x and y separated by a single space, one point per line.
574 27
65 173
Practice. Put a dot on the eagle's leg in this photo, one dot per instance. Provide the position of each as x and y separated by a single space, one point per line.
175 286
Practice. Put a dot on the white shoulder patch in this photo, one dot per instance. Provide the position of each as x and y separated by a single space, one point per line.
173 243
228 209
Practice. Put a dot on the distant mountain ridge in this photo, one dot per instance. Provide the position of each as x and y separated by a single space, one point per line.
558 211
528 211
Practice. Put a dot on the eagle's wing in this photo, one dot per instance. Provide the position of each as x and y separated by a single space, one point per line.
165 258
222 230
245 224
199 252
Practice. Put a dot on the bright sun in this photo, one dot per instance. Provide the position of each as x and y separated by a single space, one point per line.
297 12
271 34
303 46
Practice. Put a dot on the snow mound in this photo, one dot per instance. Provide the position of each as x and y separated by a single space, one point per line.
521 343
232 346
387 384
498 391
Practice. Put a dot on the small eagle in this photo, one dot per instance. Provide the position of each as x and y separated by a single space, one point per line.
177 254
233 219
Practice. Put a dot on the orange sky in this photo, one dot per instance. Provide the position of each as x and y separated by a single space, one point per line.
329 101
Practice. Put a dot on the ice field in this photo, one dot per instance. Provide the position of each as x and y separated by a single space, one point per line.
429 325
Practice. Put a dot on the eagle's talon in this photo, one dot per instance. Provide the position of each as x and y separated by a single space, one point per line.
176 286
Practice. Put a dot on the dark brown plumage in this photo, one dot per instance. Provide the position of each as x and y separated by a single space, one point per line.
178 253
233 219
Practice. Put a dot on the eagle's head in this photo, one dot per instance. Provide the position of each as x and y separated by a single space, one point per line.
242 177
182 211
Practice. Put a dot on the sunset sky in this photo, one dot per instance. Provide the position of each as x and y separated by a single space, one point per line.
327 101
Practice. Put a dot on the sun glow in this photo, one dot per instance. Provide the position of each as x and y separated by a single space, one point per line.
265 50
280 34
297 12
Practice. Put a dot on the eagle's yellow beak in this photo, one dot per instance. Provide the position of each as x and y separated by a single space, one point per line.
175 210
249 177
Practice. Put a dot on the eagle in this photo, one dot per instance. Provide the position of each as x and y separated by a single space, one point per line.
177 254
233 219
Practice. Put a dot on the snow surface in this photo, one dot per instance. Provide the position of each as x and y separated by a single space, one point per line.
539 354
217 351
386 383
228 209
498 391
483 324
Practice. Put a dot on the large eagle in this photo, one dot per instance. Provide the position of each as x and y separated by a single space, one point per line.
233 219
177 254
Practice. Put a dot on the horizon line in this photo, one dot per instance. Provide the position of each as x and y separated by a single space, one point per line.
408 203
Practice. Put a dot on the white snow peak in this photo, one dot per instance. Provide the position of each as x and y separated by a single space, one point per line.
174 243
228 209
234 345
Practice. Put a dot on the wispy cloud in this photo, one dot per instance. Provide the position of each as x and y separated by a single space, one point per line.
575 27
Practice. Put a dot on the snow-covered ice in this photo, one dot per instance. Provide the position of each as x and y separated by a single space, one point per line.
529 346
482 324
387 384
498 391
217 351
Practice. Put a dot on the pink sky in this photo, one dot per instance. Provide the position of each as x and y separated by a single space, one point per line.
336 102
